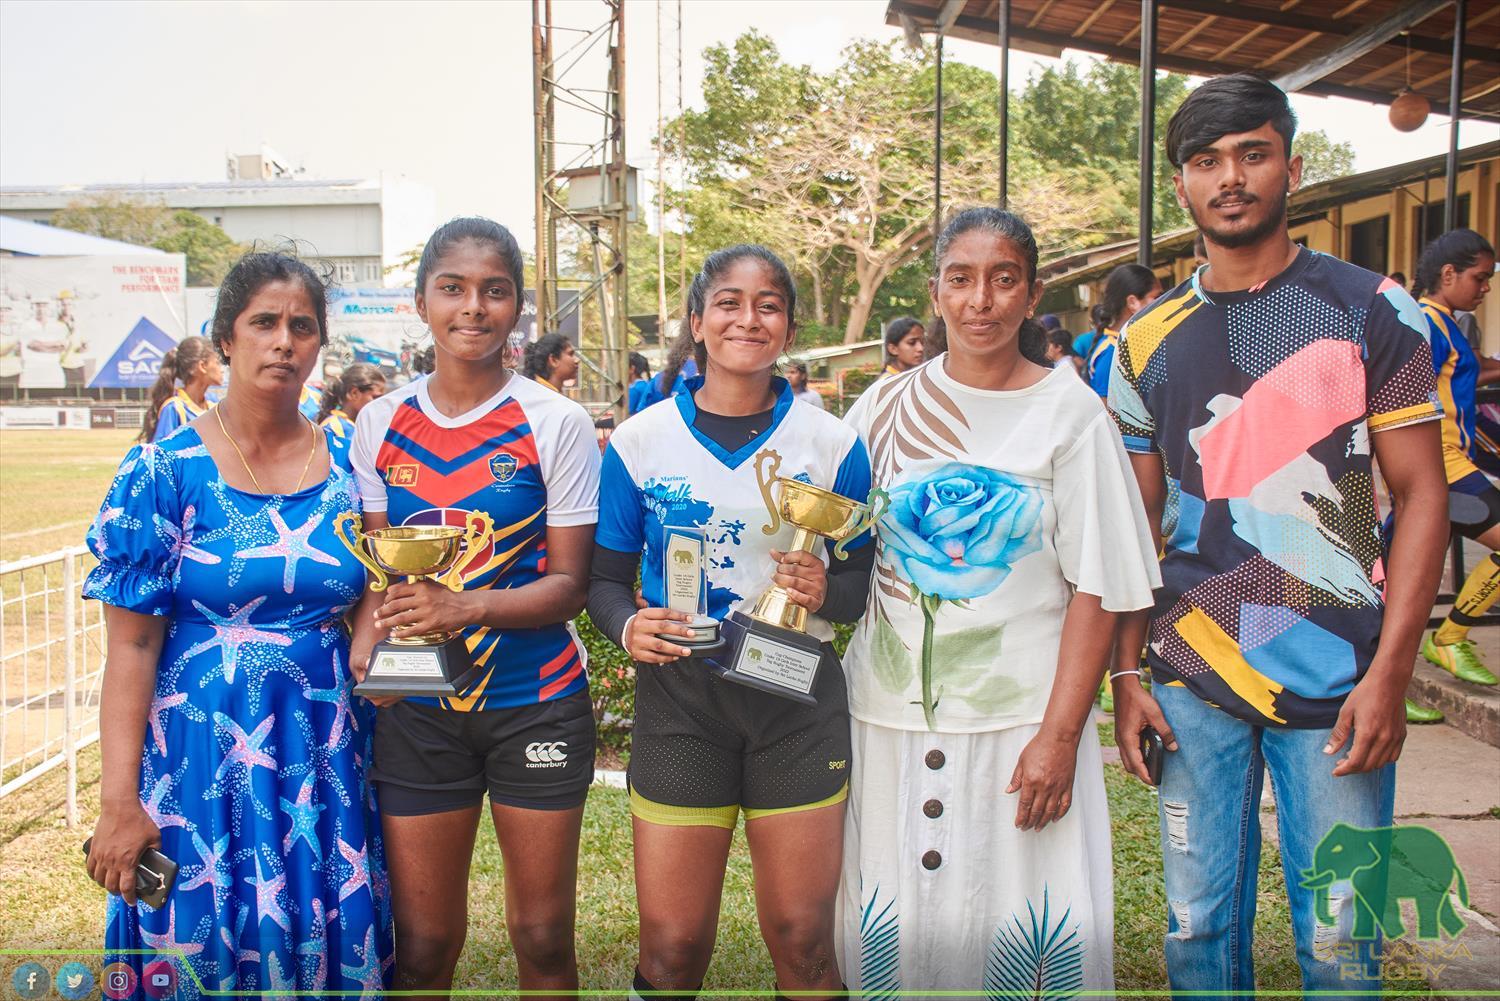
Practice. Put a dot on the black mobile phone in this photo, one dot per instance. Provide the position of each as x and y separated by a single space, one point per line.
1154 752
154 875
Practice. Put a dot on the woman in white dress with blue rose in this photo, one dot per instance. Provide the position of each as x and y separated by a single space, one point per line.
977 848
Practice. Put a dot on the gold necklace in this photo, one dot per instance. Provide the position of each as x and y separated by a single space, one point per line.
258 489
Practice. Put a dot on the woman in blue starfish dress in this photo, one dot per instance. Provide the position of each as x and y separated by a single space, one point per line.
229 735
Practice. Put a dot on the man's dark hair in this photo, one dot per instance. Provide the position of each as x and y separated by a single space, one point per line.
1240 102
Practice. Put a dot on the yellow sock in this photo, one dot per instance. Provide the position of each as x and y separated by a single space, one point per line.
1478 594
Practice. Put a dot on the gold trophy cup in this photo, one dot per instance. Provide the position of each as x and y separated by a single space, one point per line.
436 663
769 648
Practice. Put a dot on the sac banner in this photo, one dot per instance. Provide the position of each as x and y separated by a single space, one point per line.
89 322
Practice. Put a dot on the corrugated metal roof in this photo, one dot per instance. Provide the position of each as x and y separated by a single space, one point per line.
1266 37
35 239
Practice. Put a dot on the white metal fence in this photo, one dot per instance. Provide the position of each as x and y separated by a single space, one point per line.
51 667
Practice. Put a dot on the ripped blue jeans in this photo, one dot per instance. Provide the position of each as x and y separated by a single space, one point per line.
1210 838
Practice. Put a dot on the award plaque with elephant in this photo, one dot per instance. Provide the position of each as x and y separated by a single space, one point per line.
685 588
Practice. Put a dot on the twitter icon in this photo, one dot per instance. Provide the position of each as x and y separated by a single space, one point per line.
74 981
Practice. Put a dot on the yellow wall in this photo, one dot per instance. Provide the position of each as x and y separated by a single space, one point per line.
1481 182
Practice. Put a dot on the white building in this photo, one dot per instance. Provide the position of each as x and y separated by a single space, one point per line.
362 228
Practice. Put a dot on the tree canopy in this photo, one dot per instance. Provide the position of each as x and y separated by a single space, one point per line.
834 170
209 250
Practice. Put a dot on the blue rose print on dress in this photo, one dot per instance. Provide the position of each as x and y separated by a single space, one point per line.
955 534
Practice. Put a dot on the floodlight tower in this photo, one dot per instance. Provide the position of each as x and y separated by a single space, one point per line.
669 68
585 191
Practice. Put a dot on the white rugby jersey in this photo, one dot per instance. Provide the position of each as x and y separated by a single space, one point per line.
660 471
528 458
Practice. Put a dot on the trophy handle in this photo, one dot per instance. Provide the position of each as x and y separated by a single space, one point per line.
772 458
351 542
476 526
878 504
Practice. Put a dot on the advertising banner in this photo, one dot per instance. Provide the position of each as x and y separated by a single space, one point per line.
88 322
381 326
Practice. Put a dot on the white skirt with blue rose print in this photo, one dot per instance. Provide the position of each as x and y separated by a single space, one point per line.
941 891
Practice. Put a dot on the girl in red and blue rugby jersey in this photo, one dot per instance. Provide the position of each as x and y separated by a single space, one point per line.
475 436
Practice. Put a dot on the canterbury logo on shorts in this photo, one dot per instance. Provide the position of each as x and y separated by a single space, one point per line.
547 754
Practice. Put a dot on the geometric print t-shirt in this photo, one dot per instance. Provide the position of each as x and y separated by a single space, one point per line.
1261 404
528 458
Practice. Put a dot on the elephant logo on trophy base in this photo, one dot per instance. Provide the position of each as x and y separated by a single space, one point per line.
1383 866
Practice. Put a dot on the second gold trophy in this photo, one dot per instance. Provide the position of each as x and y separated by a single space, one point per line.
769 648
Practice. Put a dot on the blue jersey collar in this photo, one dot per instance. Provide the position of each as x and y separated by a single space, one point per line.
689 410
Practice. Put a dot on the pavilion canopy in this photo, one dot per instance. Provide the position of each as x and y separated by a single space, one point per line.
1273 38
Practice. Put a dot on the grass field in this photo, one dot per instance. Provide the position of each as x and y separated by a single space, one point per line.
40 862
51 483
50 486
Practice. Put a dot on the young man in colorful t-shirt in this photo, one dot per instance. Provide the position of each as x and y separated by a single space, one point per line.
1282 638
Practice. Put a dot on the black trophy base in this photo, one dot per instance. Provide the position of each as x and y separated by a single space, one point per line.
440 671
768 658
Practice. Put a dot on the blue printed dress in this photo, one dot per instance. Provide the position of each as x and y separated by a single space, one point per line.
255 748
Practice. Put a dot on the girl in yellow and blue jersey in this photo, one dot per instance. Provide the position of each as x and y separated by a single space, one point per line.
180 392
346 396
1453 275
904 345
1129 289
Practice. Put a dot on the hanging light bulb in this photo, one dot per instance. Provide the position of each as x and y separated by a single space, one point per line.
1409 110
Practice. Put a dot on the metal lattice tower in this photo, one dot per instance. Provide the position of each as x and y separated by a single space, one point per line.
584 189
670 170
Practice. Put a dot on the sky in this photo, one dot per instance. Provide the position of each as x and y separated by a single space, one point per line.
438 92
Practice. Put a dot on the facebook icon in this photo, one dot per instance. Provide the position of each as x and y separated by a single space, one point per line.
31 980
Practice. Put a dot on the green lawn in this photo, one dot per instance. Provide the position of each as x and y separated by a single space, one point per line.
51 485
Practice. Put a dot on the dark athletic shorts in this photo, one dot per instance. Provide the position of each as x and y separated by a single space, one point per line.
703 748
1481 487
432 760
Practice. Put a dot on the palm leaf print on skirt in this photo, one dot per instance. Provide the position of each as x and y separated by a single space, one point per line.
1035 957
879 948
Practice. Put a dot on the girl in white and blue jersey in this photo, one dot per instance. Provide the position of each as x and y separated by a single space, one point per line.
703 749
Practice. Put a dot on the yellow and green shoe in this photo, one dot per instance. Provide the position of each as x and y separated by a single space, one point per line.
1460 660
1422 714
